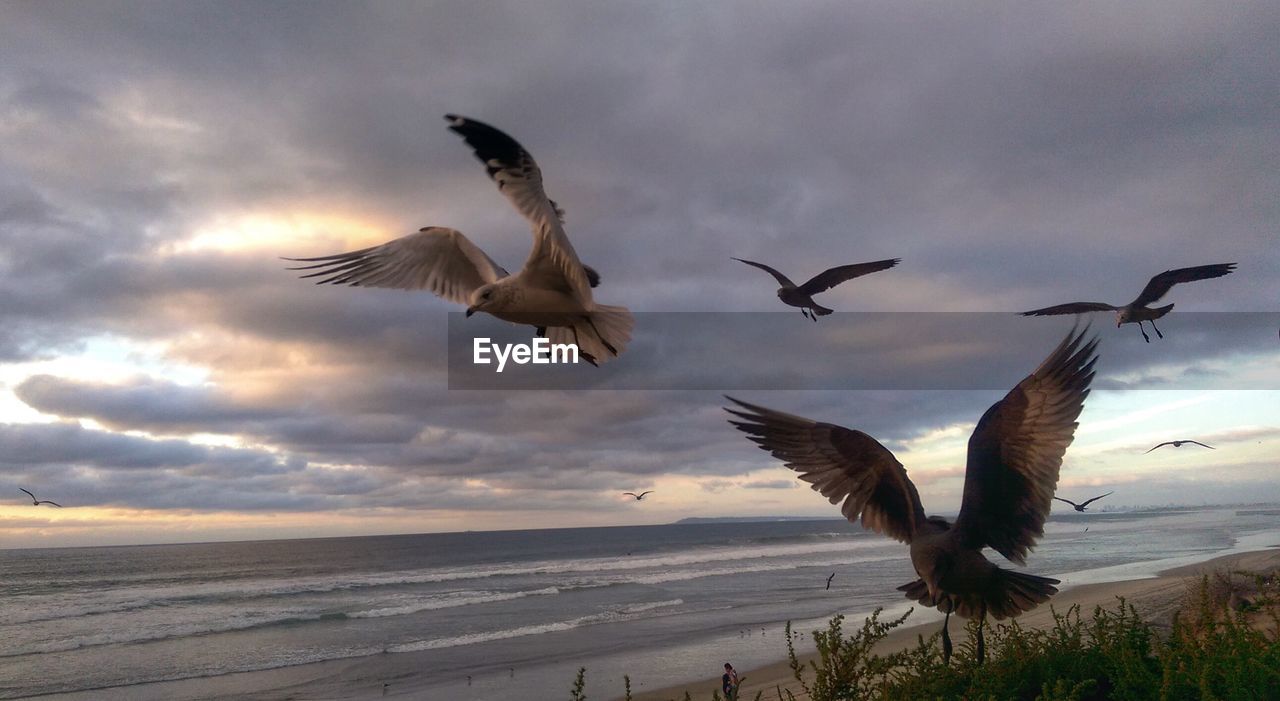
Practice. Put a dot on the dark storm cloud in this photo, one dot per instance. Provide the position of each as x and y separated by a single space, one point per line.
1013 157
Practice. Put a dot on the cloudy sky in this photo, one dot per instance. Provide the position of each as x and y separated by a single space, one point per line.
166 379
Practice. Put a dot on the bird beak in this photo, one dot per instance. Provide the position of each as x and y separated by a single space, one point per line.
470 311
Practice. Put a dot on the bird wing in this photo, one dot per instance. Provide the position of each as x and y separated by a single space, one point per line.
644 493
629 494
552 262
52 503
1068 501
842 464
1162 283
1090 501
1016 451
827 279
437 259
1072 308
782 279
20 489
1202 445
1161 445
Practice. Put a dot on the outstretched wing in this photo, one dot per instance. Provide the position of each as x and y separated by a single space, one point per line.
827 279
33 497
1159 445
1072 308
842 464
1202 445
1162 283
1090 501
1016 451
437 259
552 263
782 279
1068 501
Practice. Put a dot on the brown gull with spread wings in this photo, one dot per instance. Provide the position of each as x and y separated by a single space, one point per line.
802 295
1138 311
1179 444
38 502
1015 454
1084 504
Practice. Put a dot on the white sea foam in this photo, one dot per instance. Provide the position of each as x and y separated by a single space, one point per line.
625 613
451 600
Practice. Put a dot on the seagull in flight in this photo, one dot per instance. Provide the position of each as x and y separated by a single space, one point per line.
1138 310
1083 505
552 292
1015 454
833 576
38 502
638 496
1178 444
802 295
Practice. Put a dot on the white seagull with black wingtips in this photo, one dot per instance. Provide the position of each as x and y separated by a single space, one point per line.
551 292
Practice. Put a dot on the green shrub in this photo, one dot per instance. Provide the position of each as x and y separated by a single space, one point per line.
1224 644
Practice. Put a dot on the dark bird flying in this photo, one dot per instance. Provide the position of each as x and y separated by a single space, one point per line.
802 295
1138 311
1015 454
1179 444
1084 504
38 502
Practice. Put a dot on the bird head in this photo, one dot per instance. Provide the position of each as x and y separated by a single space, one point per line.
485 298
1122 317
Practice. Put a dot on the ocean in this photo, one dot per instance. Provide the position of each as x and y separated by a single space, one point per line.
491 610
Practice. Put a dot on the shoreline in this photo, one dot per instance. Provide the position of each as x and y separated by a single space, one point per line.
1155 598
363 677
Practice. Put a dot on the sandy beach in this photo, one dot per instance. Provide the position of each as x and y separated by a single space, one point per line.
1155 599
364 677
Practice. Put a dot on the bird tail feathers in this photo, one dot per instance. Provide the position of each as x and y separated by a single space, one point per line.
1007 594
821 311
600 336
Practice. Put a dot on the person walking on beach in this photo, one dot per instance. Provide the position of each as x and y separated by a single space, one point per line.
729 682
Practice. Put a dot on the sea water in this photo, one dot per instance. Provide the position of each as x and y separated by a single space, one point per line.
663 604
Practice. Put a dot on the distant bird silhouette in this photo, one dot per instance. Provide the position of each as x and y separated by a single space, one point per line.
552 292
1137 311
833 576
38 502
1179 444
1015 454
1084 504
638 496
802 295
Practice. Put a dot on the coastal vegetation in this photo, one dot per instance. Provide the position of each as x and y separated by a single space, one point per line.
1223 642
